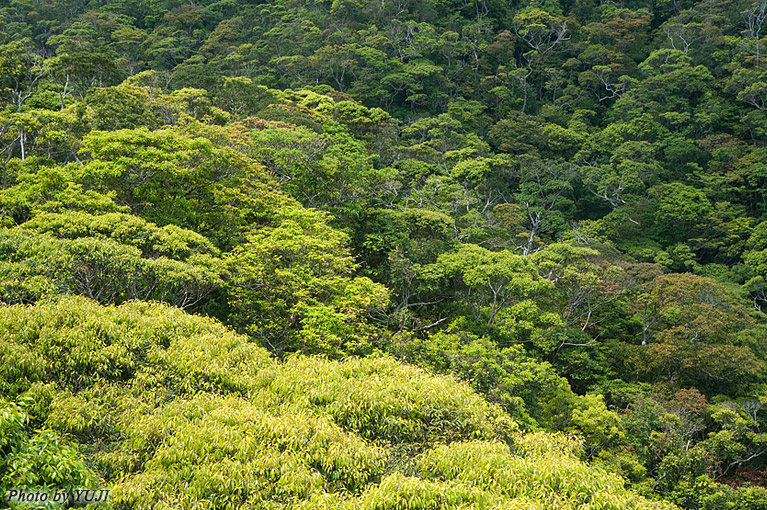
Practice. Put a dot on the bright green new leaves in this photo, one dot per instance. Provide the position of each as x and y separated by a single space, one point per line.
387 402
292 287
679 208
541 31
50 189
160 173
177 405
174 410
545 469
497 290
76 344
75 367
599 427
37 458
314 428
539 472
246 454
301 161
79 242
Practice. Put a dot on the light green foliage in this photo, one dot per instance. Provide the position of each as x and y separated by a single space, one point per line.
50 189
168 241
730 499
34 266
305 432
100 361
490 190
38 458
462 475
680 207
432 139
77 242
256 454
183 178
76 343
384 401
544 470
176 411
599 427
122 107
292 286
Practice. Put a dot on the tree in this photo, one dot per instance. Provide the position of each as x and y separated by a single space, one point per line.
110 258
84 68
754 19
292 288
172 176
544 199
541 32
320 170
21 68
756 259
495 290
581 287
530 391
679 209
694 342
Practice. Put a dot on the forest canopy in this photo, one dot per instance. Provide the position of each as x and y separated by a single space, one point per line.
386 255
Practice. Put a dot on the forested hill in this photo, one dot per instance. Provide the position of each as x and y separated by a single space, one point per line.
385 255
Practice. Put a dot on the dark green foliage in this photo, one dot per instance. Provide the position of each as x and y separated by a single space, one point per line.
529 391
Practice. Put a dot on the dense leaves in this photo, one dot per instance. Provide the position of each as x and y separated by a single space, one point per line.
183 410
558 207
